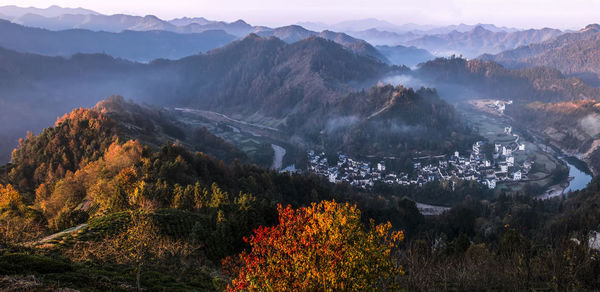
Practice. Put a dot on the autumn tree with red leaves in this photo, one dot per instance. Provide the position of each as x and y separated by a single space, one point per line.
322 247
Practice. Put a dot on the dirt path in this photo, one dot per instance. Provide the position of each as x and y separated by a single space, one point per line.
56 235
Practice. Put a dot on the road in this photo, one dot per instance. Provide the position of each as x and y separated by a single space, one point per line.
57 235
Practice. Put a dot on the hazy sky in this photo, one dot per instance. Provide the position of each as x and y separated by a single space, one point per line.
514 13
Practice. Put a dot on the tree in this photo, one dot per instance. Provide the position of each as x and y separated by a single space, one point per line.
321 247
139 243
10 198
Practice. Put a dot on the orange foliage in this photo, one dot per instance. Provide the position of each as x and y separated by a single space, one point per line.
322 247
9 197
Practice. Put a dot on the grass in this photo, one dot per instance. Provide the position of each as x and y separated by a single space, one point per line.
55 272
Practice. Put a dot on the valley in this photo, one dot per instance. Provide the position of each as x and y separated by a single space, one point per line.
252 146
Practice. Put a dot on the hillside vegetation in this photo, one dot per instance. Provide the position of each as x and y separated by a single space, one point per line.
492 80
575 53
167 218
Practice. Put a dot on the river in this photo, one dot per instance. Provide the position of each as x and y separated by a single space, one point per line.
579 172
579 177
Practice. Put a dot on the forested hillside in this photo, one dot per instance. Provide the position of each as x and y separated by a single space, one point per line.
492 80
407 56
397 121
167 218
574 53
299 89
572 126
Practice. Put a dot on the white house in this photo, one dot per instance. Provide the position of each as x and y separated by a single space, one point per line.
517 175
497 147
508 130
510 160
505 150
594 240
491 183
522 147
477 147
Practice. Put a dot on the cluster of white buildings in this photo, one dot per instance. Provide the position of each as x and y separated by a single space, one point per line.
501 167
357 173
476 166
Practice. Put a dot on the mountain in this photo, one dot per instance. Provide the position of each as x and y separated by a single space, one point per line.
238 28
132 45
288 34
294 33
408 56
13 11
296 90
36 89
468 27
364 27
95 22
480 40
121 22
395 120
364 24
458 78
183 21
382 37
575 53
263 76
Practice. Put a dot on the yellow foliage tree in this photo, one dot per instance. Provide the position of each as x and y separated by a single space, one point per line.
10 198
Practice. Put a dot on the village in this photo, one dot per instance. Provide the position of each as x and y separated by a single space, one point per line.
476 165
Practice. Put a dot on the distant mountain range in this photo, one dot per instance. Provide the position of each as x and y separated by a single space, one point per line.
294 33
64 18
196 34
132 45
408 56
52 11
575 53
359 36
467 40
480 40
351 26
384 38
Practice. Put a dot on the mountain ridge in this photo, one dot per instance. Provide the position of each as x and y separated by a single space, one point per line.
571 53
132 45
480 40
